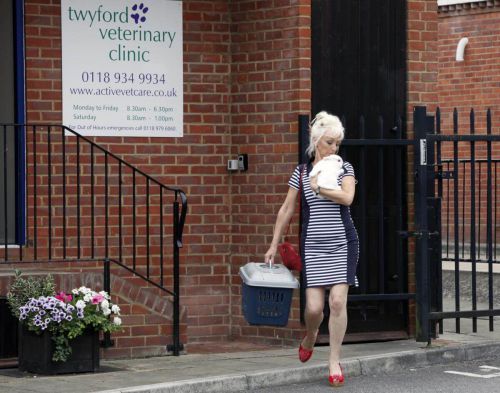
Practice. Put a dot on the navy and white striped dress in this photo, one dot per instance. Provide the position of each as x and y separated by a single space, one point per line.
329 242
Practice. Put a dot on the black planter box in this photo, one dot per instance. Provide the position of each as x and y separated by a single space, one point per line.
35 353
8 331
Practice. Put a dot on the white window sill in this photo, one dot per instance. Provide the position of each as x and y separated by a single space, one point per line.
454 2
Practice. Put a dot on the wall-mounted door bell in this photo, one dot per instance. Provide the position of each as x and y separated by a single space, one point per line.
241 164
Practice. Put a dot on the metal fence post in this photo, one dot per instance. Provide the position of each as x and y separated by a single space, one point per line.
176 282
421 127
176 346
303 133
107 342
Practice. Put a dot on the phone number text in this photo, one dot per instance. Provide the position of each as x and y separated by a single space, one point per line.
123 77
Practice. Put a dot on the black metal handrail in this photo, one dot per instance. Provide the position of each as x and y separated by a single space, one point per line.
84 203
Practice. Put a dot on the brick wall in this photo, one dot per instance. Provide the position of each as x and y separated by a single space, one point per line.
422 55
206 147
474 82
270 70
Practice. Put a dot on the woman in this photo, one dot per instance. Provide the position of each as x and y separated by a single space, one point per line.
329 241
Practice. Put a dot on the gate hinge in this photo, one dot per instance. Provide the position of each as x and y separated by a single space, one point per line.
417 234
446 175
407 234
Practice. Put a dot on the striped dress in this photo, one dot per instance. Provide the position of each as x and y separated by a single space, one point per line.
329 243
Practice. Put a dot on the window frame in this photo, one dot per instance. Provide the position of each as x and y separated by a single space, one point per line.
455 2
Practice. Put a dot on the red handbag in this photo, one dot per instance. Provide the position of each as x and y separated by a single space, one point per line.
289 256
291 259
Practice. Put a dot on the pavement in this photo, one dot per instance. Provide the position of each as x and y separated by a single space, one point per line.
250 369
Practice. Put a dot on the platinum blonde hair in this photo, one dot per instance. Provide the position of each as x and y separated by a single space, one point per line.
322 123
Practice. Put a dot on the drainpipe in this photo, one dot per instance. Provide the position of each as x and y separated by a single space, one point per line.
461 48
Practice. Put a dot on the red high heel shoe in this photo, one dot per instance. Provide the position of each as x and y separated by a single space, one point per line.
337 380
305 354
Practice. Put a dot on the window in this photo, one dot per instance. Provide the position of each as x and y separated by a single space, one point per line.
453 2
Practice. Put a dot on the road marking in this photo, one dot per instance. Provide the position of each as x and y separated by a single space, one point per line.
473 375
489 368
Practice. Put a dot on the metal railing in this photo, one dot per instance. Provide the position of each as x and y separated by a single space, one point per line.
472 210
75 201
457 181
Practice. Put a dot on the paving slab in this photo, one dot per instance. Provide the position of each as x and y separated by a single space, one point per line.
240 371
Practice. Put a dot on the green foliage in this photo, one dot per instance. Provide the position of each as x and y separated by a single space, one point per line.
23 289
62 349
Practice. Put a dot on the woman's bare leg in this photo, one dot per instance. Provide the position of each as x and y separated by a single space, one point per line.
337 324
313 315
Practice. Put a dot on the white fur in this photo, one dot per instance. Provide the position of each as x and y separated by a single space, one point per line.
328 170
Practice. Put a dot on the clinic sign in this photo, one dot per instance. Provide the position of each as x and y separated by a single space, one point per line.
122 67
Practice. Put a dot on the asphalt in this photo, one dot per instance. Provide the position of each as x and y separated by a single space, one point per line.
252 369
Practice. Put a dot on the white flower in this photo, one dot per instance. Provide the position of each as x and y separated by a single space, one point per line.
105 294
84 290
105 304
80 304
87 297
115 309
117 321
75 291
106 311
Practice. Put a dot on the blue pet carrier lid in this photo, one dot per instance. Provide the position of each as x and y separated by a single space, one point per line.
265 275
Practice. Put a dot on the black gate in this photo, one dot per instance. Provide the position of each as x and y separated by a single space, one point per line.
457 220
358 72
378 308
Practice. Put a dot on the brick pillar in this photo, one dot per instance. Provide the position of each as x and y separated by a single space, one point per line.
422 67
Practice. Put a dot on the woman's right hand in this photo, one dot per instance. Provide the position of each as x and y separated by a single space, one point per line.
269 257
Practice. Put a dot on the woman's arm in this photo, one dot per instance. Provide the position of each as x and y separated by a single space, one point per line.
344 196
284 215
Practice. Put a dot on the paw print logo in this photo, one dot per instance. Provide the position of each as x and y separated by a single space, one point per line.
138 11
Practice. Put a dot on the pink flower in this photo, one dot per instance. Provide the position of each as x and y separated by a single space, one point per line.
97 299
63 297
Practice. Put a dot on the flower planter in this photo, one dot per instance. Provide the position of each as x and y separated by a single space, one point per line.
35 353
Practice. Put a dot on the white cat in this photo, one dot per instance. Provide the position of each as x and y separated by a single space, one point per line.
328 170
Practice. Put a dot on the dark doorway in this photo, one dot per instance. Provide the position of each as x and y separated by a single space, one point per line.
11 111
359 69
359 60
